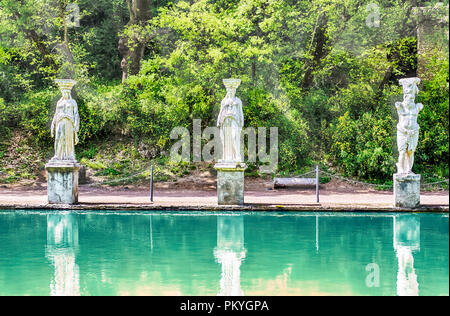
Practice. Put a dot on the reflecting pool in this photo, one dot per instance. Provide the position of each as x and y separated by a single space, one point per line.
198 253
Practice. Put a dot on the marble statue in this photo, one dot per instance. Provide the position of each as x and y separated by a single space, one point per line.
407 127
230 122
62 169
230 167
66 123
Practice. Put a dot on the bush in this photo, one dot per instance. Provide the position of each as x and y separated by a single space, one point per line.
261 109
6 121
363 147
433 148
402 55
35 114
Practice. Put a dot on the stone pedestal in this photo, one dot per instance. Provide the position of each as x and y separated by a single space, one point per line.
407 190
230 183
62 181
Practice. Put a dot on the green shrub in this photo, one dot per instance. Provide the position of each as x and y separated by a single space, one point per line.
363 148
402 54
36 114
432 153
87 153
108 172
261 109
6 121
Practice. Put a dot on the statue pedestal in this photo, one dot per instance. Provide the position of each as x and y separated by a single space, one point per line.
230 183
407 190
62 181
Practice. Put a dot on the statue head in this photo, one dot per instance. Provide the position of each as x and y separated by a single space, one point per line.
65 86
231 85
410 89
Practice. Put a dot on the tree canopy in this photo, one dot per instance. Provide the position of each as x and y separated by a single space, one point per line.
325 72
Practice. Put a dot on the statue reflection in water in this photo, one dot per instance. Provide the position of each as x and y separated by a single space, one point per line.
229 253
406 242
62 244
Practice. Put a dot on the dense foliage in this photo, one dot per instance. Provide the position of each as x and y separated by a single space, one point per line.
323 72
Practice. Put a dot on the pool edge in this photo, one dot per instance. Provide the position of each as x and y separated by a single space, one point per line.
246 207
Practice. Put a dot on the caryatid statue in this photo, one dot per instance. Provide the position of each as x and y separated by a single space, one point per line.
407 127
66 123
230 122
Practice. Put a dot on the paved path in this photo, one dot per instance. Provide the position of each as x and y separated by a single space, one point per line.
181 199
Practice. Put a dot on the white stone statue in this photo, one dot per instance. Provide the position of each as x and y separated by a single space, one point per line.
407 127
231 121
66 123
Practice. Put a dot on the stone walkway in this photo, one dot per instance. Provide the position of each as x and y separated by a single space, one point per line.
93 198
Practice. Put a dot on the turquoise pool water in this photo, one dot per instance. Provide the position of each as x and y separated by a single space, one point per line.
155 253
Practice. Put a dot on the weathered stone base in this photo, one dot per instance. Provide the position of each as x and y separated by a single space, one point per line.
62 182
407 190
230 184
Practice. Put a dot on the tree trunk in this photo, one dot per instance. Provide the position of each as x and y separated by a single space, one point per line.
68 67
131 48
321 50
43 49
